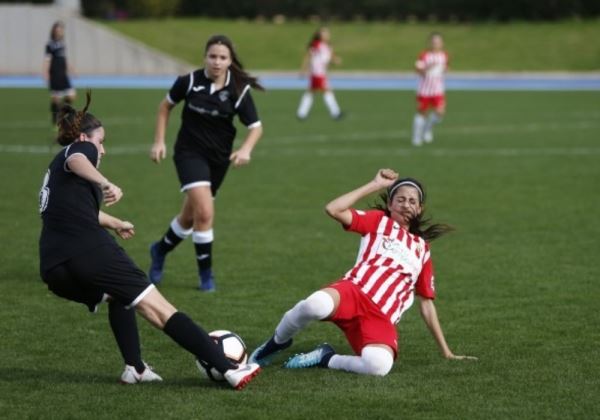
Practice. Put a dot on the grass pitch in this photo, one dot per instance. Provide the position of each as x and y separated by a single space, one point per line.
516 173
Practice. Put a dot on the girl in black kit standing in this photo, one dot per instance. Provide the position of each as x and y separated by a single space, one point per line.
81 261
212 96
56 71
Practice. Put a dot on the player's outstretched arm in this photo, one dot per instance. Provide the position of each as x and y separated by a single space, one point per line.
124 229
429 314
242 156
159 148
339 209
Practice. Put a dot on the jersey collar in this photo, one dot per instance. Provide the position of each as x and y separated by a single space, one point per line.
212 85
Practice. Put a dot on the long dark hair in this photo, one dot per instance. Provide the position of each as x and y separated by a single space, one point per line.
71 123
240 76
316 36
419 225
55 26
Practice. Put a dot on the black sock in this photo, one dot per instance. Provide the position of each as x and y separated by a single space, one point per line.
194 339
54 108
124 327
204 255
168 242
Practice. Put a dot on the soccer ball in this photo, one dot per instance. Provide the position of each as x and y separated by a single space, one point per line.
233 347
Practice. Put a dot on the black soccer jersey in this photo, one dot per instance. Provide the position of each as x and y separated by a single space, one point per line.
59 80
207 116
69 207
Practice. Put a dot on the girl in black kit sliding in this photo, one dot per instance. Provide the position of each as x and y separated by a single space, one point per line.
82 262
212 97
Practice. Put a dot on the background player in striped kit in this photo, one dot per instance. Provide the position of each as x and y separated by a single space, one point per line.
316 60
393 265
80 261
56 70
212 97
431 67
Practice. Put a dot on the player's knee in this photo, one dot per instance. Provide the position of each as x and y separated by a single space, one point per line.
318 305
378 361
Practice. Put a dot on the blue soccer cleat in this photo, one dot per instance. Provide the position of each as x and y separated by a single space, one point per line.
318 357
157 263
207 281
264 354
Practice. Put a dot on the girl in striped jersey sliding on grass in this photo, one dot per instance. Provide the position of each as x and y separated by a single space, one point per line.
393 264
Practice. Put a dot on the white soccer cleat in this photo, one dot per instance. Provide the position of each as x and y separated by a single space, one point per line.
130 375
240 377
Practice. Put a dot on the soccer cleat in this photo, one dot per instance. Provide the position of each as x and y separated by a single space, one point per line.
207 281
264 354
130 375
157 263
240 377
340 116
428 136
318 357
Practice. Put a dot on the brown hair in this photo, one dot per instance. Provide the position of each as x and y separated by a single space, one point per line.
419 225
55 26
240 76
72 123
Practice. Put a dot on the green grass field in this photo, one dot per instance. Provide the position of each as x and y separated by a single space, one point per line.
516 173
384 46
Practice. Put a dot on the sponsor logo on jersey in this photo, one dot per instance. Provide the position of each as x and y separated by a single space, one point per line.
223 95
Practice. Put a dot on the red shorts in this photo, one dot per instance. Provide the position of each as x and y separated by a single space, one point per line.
435 102
318 83
361 320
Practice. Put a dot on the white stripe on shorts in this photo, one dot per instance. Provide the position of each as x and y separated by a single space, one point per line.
140 297
194 185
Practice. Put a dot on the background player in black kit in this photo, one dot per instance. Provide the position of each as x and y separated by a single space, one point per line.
212 96
56 71
81 261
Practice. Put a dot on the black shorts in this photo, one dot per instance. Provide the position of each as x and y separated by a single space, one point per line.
59 83
104 272
195 171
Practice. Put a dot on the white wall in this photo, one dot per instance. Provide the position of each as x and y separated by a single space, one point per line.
92 49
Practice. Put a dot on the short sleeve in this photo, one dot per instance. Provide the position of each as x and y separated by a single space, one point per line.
364 222
179 89
425 285
420 63
82 148
246 109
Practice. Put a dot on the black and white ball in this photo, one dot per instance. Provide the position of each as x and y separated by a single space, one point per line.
233 347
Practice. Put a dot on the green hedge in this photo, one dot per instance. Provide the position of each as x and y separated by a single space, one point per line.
424 10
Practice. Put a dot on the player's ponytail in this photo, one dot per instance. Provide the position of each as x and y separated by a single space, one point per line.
419 225
241 78
72 123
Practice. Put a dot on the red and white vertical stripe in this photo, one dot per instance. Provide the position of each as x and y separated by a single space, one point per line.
389 263
434 63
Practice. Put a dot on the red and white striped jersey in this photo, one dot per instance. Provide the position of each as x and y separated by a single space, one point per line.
435 64
320 56
392 264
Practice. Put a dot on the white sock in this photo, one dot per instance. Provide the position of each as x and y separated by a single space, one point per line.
432 119
331 103
305 105
179 230
372 361
203 236
317 306
418 126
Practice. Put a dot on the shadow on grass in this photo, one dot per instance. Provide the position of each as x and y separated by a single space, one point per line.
52 376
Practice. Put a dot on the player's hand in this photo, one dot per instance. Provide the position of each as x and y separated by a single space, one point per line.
385 177
158 152
111 193
125 230
240 158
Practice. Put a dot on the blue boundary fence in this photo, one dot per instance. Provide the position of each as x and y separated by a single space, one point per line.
282 81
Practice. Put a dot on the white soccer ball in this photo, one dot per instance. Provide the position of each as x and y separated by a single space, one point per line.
233 347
